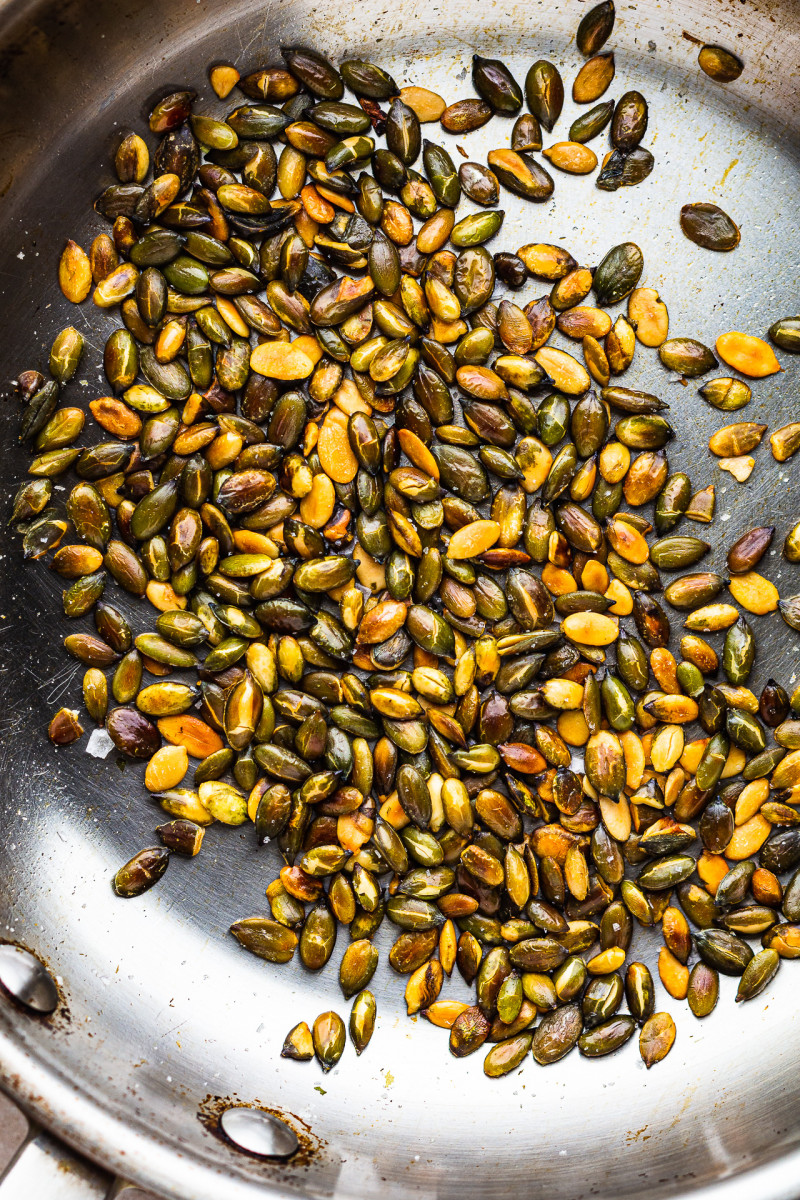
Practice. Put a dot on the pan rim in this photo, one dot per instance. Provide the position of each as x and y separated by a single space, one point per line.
106 1140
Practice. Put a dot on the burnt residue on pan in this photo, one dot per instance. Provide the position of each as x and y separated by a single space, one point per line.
212 1107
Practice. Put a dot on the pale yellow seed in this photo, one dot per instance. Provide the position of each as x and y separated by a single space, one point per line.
232 316
712 618
712 869
666 747
223 79
393 813
634 755
747 354
419 454
623 600
562 693
74 272
464 674
443 1013
755 593
627 541
748 838
568 375
616 816
614 461
369 572
572 157
534 460
166 768
115 287
349 399
279 360
435 783
676 710
784 442
673 974
592 629
558 581
649 316
734 763
750 799
428 105
334 450
787 772
740 468
572 727
473 539
606 961
164 597
576 873
316 508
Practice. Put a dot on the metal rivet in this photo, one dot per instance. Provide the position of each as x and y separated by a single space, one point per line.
24 978
259 1132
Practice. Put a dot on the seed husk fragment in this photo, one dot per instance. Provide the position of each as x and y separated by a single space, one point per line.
65 727
625 169
299 1043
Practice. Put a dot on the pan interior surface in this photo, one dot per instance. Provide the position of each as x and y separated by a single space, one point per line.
165 1019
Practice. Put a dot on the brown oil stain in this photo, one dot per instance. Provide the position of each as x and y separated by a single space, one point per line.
212 1107
637 1135
728 170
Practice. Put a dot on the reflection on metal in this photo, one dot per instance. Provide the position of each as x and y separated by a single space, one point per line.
258 1132
46 1170
24 978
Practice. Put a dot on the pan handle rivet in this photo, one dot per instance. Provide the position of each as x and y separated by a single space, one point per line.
27 980
258 1132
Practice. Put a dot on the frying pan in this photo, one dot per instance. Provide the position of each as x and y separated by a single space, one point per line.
162 1020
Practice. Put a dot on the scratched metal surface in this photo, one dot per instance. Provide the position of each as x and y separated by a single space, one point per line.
163 1012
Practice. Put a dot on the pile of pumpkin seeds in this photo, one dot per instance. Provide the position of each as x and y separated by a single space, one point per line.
399 551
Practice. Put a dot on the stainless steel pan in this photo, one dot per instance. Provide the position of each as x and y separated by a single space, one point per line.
163 1021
